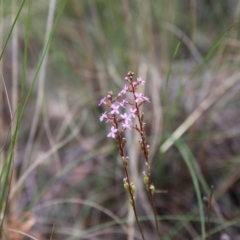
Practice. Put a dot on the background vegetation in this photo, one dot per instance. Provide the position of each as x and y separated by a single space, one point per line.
60 175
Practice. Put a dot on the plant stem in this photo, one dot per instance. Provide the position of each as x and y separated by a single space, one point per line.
119 142
146 154
136 217
133 203
155 215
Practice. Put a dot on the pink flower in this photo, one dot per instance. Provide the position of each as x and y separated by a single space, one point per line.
122 104
126 125
125 117
104 115
103 101
140 81
138 97
114 109
124 89
113 131
144 98
134 84
133 112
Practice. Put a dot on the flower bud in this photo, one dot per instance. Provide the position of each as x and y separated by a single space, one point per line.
130 201
147 152
146 179
148 168
126 185
125 161
144 136
133 188
152 189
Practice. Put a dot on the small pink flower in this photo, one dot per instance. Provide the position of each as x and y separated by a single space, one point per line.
140 81
133 112
113 131
104 115
103 101
114 109
126 125
138 97
124 89
125 117
144 98
122 104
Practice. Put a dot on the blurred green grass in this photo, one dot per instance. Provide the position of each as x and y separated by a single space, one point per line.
94 45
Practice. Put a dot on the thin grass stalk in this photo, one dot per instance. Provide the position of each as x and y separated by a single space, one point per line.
6 171
212 50
204 105
165 93
186 156
21 111
1 102
11 29
209 205
193 5
25 52
41 86
43 158
1 82
12 204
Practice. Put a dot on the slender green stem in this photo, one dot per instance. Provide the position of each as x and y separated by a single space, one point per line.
208 214
133 203
136 217
155 215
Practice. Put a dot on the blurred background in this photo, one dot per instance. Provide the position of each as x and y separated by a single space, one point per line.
59 58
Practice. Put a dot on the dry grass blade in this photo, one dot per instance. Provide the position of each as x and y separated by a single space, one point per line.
156 131
13 203
22 233
205 104
41 159
41 84
231 179
186 40
84 202
1 76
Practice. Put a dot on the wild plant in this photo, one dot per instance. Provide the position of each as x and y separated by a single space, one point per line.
122 120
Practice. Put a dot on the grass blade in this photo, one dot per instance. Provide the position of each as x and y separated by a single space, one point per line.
181 146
